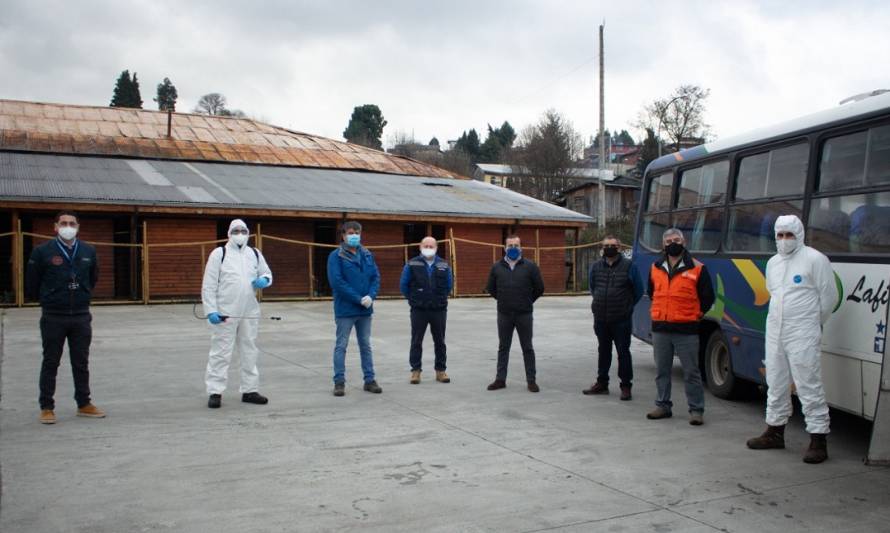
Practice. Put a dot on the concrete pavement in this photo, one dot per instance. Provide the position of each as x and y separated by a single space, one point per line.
431 457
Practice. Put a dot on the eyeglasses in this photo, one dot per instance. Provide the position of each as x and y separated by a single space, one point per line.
509 246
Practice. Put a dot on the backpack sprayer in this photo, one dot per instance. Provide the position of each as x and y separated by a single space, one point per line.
224 317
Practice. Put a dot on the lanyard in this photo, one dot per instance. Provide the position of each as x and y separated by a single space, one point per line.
71 257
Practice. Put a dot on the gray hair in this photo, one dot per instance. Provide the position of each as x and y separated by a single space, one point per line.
672 231
351 225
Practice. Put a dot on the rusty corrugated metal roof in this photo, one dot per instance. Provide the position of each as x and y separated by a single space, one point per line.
87 130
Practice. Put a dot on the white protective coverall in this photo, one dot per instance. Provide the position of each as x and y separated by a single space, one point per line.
803 295
227 290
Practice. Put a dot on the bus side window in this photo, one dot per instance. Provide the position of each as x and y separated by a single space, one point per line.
829 229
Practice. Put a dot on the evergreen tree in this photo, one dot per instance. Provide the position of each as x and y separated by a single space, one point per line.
468 142
167 96
366 126
121 96
648 151
434 142
135 98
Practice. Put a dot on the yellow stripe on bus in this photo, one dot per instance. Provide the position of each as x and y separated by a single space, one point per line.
755 279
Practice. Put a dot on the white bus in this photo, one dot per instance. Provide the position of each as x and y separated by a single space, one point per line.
832 169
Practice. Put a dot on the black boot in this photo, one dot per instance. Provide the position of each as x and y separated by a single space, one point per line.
339 389
372 386
818 449
214 401
254 397
772 438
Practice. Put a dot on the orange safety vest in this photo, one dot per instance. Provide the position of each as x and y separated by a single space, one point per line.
675 299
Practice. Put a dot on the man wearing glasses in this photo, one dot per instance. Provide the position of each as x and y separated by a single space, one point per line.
61 275
516 283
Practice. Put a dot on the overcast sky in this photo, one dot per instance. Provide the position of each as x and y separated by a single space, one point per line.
438 68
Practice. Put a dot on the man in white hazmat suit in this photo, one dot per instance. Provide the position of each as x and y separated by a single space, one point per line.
803 295
233 273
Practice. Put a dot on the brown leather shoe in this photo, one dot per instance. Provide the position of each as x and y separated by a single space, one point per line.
696 419
596 388
772 438
533 387
625 393
497 384
818 449
91 411
47 416
442 377
658 413
415 377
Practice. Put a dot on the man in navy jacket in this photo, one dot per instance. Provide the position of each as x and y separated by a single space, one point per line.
426 281
355 281
62 274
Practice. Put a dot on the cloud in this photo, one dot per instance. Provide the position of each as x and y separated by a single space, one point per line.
438 69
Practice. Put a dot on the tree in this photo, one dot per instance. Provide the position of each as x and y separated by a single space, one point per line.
678 116
623 139
126 91
468 143
648 151
135 96
167 96
434 142
365 126
211 104
497 144
546 155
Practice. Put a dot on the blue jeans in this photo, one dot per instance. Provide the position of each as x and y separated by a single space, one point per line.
685 347
363 334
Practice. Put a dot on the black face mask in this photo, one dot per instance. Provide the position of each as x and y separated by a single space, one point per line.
610 251
674 249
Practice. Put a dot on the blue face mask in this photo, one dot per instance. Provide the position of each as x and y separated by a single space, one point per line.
513 253
353 240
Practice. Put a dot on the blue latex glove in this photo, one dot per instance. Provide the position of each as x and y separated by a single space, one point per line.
261 283
214 318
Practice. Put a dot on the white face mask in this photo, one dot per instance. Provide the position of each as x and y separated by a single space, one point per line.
239 239
67 232
786 246
428 252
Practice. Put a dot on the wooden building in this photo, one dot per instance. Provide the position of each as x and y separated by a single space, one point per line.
154 190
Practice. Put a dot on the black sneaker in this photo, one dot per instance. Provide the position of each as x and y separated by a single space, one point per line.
372 386
339 389
215 401
254 397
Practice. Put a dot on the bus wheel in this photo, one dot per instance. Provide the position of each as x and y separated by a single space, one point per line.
718 367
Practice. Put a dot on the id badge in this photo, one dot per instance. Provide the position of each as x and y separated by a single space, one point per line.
73 286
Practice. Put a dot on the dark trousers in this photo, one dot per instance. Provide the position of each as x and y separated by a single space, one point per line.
618 333
420 318
522 323
54 330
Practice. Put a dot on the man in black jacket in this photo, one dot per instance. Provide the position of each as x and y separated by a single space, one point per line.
515 283
62 274
616 287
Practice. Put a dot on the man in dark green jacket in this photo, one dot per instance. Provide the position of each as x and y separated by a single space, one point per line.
62 274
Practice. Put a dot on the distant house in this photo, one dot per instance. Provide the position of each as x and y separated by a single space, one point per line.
622 198
497 174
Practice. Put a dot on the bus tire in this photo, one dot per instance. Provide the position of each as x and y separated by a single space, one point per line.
719 375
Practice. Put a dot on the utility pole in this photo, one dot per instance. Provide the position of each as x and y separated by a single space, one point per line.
601 219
